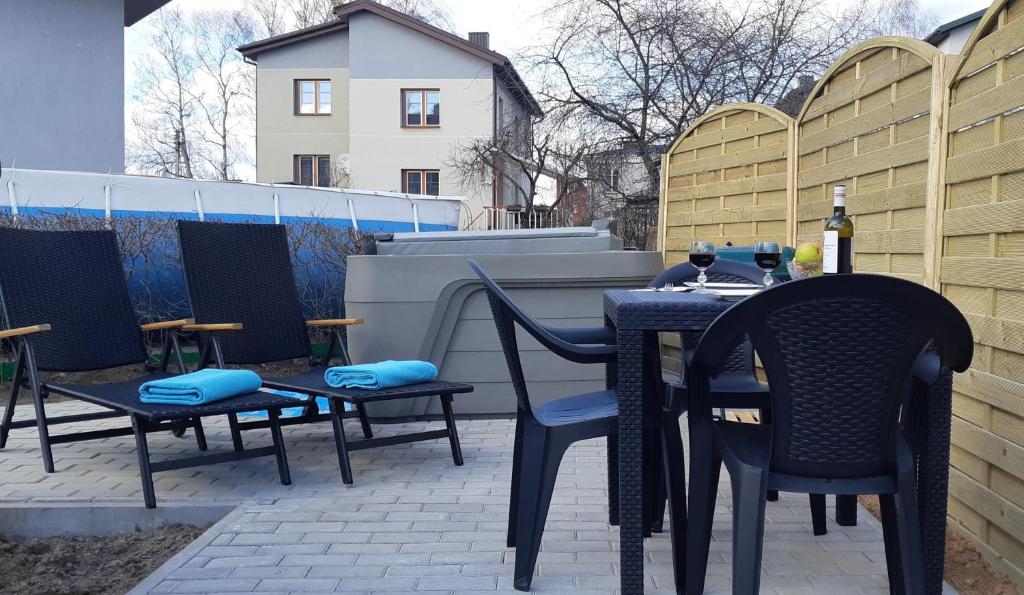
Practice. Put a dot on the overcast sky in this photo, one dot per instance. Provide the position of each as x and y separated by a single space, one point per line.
514 24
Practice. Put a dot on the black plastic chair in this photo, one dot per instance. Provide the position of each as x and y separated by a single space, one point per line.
66 307
841 353
242 273
544 433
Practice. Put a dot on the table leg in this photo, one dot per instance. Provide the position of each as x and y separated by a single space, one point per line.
631 489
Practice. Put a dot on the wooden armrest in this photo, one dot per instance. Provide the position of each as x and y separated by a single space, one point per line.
226 326
25 330
157 326
334 322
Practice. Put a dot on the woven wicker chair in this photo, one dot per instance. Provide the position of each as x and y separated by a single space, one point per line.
842 353
67 309
242 273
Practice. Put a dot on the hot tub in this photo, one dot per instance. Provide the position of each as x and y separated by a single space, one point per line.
420 300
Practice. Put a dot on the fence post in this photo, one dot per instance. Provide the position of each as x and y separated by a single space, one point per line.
792 193
13 197
936 189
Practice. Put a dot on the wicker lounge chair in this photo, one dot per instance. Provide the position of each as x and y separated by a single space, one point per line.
67 309
242 272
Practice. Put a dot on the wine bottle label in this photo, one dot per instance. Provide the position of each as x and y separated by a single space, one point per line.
830 253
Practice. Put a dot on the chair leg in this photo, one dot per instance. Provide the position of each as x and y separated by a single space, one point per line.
197 427
453 432
41 424
818 520
705 468
675 487
517 474
282 457
236 433
909 529
749 489
765 417
846 511
538 483
613 480
12 401
340 443
364 420
145 471
890 534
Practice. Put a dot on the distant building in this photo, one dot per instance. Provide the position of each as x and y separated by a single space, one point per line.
951 37
62 95
378 100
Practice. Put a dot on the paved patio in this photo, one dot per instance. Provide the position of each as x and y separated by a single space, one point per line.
413 521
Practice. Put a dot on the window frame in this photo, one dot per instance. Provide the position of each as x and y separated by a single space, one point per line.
297 170
423 180
316 97
423 107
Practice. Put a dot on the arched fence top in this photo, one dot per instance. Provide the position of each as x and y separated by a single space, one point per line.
989 42
725 110
925 51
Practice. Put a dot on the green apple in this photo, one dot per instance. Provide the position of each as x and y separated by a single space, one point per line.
808 254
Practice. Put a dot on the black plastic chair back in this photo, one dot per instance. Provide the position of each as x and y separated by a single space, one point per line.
839 352
242 272
741 361
506 315
74 281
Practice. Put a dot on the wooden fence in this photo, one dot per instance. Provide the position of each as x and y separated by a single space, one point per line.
931 148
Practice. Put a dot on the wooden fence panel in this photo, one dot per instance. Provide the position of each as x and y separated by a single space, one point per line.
871 124
982 272
725 180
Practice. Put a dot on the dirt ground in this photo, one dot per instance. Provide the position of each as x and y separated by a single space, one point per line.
89 565
966 570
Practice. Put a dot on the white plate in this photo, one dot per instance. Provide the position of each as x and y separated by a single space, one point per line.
735 292
726 285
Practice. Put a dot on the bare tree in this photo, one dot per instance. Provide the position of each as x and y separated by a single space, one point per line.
525 150
643 70
166 132
307 13
271 15
217 35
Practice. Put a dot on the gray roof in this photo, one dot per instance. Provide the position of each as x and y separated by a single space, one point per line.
942 31
136 10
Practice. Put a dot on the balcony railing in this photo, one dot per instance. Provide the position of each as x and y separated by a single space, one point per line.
517 217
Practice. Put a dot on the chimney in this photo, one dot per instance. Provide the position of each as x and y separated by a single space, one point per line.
480 39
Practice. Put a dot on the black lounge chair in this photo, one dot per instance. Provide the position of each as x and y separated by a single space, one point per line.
844 354
242 273
544 433
67 309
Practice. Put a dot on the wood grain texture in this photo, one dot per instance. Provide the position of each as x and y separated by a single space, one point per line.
982 272
25 330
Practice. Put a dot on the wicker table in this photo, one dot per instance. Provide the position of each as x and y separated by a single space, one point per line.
637 315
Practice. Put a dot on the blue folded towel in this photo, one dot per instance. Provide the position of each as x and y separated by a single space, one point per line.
199 388
387 374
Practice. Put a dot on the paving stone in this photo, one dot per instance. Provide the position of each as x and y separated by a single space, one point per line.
413 521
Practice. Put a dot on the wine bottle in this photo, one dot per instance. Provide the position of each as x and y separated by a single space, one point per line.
838 252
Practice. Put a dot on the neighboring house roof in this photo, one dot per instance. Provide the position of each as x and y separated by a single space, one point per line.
942 31
136 10
502 65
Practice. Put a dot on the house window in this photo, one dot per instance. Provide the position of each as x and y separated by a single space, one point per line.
613 179
313 98
313 170
421 181
421 108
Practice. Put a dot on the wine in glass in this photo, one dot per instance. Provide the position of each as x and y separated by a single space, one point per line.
767 256
702 256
